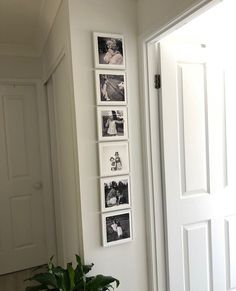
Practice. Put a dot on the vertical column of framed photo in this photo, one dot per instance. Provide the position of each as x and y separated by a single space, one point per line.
112 120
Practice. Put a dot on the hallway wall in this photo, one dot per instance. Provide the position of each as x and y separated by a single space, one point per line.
126 261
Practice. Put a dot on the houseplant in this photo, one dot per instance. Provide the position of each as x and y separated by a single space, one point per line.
55 278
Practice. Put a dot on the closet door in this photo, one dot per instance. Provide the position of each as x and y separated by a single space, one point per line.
23 230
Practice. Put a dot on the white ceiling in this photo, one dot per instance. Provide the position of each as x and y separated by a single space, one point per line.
25 24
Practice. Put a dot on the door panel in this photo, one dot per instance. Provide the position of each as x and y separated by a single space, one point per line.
22 215
15 134
192 128
198 120
197 264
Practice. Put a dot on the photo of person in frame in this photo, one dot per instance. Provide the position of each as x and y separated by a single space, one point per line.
118 227
116 164
114 124
113 158
110 51
112 87
116 193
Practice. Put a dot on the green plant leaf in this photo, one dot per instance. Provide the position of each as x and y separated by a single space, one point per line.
55 278
71 275
87 268
78 260
50 263
101 282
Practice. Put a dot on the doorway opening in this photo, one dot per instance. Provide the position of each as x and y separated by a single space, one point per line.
27 210
189 151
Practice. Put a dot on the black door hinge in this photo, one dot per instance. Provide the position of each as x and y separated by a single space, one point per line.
157 81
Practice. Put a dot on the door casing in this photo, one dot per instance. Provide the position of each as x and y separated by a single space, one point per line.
151 139
62 249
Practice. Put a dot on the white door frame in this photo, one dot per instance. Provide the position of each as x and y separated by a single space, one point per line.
61 250
151 138
45 159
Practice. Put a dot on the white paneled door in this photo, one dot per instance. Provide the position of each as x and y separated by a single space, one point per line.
23 241
199 165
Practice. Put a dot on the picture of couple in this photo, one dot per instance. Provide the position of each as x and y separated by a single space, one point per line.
117 228
115 193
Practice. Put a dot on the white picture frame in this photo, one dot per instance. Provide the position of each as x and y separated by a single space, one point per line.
111 87
109 51
115 193
112 123
113 158
117 227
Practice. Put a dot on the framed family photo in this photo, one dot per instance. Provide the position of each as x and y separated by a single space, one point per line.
113 158
112 123
109 51
115 193
111 87
117 227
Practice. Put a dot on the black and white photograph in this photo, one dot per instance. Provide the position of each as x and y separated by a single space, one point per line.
111 87
112 123
117 227
109 51
113 158
115 193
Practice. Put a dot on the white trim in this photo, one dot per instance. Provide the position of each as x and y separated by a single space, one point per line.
66 55
46 170
75 150
45 159
49 92
54 66
151 138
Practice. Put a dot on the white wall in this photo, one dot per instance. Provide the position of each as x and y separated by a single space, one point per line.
20 67
153 14
127 261
57 66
